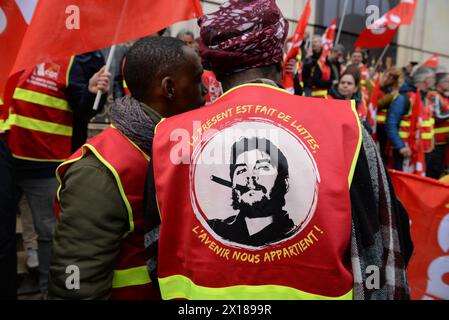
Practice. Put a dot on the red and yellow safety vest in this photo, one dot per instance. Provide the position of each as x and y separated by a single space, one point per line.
441 128
325 76
311 260
127 163
40 119
427 134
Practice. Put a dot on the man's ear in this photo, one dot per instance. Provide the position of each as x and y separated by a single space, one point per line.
168 87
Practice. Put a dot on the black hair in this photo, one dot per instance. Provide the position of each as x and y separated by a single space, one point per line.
277 159
148 59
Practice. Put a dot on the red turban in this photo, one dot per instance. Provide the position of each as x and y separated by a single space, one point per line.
241 35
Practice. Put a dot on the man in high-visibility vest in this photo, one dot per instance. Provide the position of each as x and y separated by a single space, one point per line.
248 198
398 121
47 102
100 200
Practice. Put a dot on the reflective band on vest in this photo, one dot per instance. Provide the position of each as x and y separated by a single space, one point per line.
175 286
131 277
319 93
42 99
39 125
441 128
427 133
254 141
381 117
126 166
40 118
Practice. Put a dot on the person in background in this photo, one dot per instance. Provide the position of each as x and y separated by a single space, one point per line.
102 185
440 101
326 72
348 88
389 89
39 135
398 121
187 37
310 60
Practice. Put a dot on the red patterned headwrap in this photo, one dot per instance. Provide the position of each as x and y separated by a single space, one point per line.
241 35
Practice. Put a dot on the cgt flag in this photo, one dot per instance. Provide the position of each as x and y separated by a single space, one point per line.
432 62
427 203
61 28
382 31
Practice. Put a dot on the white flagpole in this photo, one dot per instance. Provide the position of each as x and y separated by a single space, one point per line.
108 65
341 22
381 57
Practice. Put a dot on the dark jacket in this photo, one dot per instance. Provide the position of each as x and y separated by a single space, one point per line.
93 220
397 110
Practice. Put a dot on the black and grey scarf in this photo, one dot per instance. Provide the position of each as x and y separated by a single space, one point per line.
129 118
380 243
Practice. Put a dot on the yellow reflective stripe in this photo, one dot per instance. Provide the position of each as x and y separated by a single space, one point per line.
67 75
39 125
115 174
359 143
319 93
119 184
404 123
42 99
179 286
130 277
124 84
37 159
147 157
442 130
425 135
382 118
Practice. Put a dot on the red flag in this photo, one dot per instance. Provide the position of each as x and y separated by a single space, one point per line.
432 62
14 19
383 30
298 36
372 106
54 31
417 163
426 201
328 38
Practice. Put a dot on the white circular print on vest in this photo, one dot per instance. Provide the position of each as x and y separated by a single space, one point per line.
253 184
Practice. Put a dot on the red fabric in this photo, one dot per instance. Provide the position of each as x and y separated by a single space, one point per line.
101 24
426 202
242 35
11 36
49 79
214 90
129 164
328 39
383 30
297 39
372 106
186 241
415 139
432 62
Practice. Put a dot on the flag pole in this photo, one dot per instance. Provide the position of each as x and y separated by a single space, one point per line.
108 65
341 22
381 57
